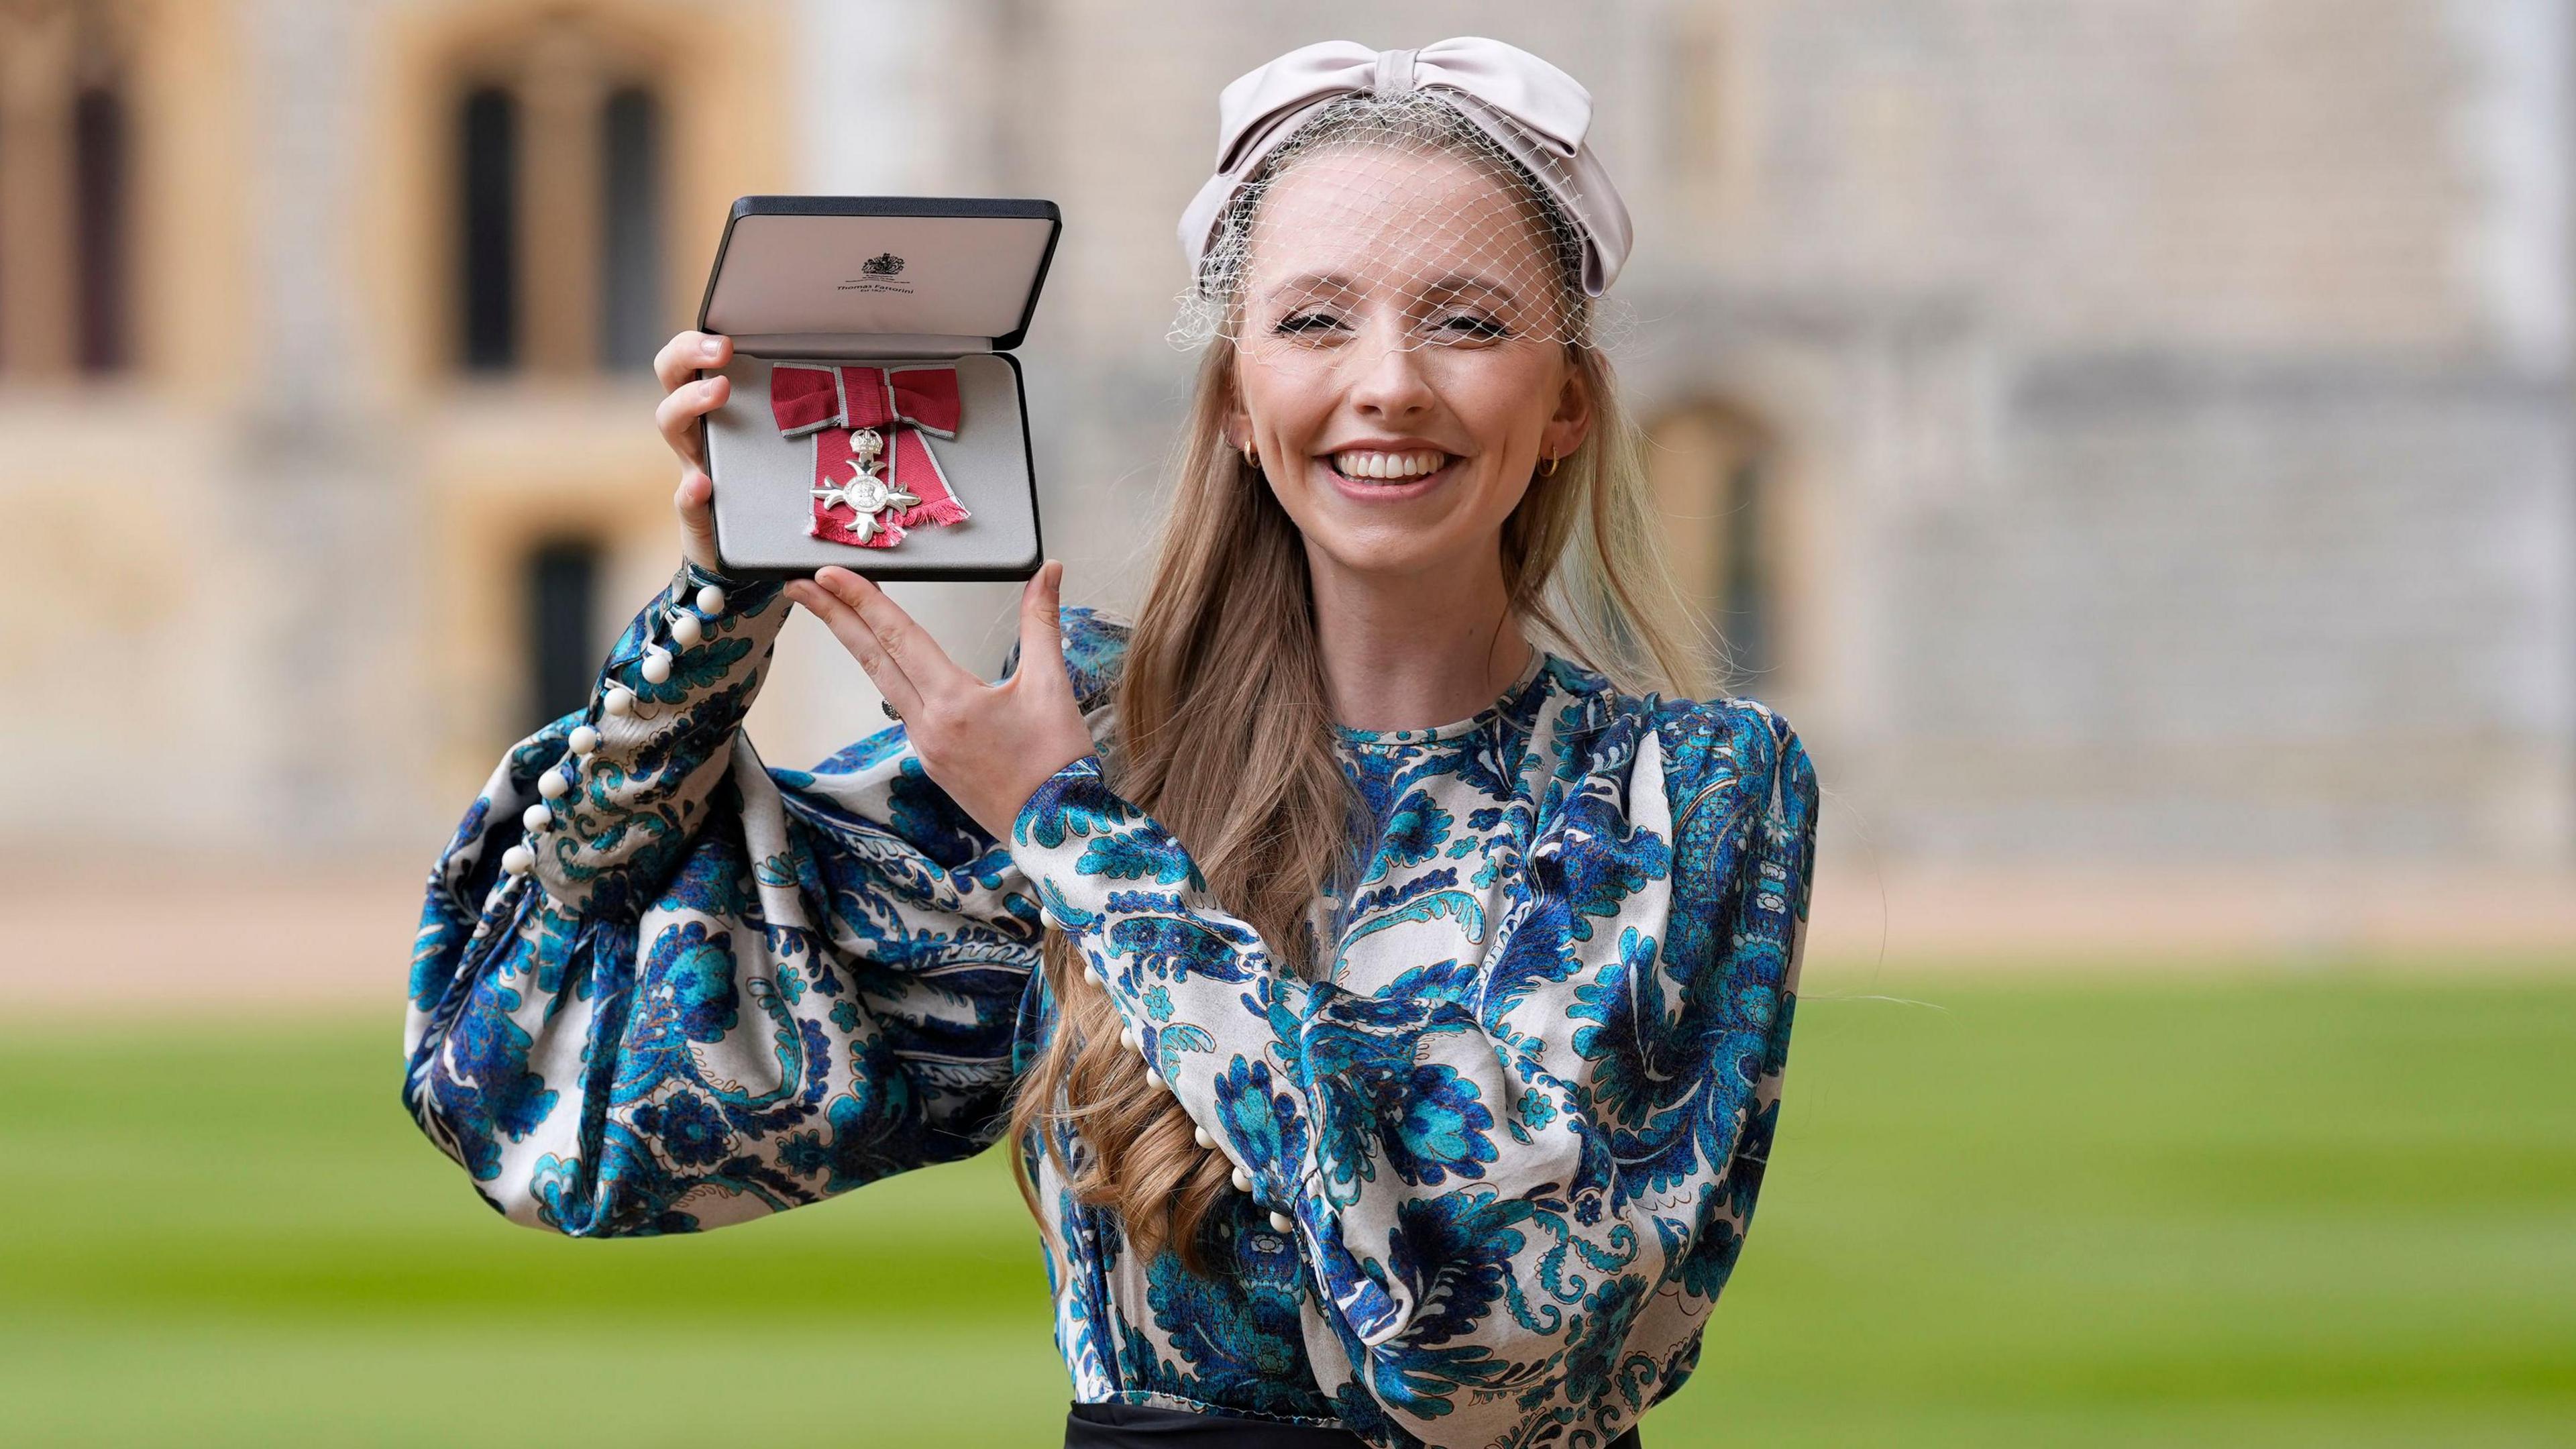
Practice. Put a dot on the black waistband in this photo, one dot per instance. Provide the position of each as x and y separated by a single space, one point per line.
1137 1426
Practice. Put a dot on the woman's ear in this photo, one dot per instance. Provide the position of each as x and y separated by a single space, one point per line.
1571 423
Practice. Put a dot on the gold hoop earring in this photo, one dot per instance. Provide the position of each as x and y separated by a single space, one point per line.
1550 471
1249 460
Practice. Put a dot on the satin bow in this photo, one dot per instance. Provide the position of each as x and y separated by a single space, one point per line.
1534 110
852 503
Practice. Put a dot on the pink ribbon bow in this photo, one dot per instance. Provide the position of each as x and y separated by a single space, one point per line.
1538 113
874 474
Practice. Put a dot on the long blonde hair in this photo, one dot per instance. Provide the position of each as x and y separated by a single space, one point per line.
1225 737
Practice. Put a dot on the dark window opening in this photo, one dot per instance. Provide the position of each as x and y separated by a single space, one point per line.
487 240
99 220
630 229
563 652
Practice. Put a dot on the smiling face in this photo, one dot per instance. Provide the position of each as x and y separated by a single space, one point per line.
1398 362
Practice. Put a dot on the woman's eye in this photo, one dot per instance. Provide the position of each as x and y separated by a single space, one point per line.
1307 323
1469 327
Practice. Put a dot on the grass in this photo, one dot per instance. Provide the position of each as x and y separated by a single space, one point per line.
2283 1211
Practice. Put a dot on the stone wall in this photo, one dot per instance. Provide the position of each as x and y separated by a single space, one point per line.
2171 397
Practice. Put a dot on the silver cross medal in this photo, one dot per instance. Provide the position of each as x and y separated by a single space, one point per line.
865 494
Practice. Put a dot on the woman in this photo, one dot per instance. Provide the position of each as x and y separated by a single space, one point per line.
1388 1012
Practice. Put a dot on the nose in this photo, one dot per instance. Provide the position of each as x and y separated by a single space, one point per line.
1389 383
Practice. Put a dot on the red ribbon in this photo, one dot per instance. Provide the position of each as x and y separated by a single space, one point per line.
835 404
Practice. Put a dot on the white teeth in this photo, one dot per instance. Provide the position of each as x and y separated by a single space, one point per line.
1357 464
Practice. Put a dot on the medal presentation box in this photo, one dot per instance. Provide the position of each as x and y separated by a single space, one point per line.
877 419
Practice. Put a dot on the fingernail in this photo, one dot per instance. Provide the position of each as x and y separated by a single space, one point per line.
708 349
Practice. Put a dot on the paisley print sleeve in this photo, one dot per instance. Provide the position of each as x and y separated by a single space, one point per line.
710 990
1517 1189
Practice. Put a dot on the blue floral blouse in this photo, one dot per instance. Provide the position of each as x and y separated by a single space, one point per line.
1502 1147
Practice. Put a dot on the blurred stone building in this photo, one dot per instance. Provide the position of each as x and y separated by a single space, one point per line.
2132 432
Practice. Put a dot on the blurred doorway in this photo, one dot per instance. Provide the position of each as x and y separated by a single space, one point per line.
1714 470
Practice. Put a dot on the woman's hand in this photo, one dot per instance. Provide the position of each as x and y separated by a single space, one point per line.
988 745
687 398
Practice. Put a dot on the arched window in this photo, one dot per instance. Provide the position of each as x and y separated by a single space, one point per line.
66 174
1714 473
559 164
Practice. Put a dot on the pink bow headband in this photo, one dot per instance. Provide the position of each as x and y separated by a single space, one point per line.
1533 110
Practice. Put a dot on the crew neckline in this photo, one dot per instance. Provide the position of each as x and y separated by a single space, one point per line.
1426 734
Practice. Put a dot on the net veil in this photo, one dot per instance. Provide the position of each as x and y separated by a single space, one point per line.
1389 221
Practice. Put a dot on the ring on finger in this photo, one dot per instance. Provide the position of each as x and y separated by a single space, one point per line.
890 711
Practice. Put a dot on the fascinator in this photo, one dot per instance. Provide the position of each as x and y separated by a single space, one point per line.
1531 111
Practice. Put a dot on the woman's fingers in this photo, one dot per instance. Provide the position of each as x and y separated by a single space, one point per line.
682 356
989 746
693 502
1042 622
686 397
908 644
855 635
678 413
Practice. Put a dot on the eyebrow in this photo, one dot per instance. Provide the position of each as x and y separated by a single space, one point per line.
1312 283
1457 282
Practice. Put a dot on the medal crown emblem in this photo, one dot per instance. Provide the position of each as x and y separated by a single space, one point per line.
883 264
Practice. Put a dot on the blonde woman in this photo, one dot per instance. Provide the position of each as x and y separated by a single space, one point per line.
1379 963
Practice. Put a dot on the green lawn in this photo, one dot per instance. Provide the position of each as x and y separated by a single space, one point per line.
2303 1211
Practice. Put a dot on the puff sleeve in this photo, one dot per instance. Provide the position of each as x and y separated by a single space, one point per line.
1518 1184
658 986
